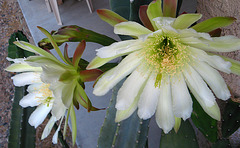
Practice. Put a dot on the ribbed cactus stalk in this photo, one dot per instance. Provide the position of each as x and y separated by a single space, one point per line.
130 133
21 133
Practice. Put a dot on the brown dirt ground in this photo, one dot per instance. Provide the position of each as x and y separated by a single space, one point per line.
11 20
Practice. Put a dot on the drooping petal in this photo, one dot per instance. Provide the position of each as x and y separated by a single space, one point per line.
67 93
55 136
31 99
213 79
119 48
131 87
58 108
124 114
113 76
38 116
214 60
182 101
149 99
164 114
48 127
26 78
131 28
212 111
195 82
185 20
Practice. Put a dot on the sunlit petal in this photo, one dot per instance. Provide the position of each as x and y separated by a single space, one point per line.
149 98
38 116
164 114
113 76
134 83
182 101
213 79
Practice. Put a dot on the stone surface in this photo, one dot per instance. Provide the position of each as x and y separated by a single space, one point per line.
213 8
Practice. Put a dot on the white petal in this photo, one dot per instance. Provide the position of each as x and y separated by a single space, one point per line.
182 101
131 28
26 78
31 99
22 67
187 33
149 99
131 87
51 73
195 82
164 22
48 127
58 108
212 111
218 44
34 87
164 114
39 115
113 76
215 61
55 136
213 79
119 48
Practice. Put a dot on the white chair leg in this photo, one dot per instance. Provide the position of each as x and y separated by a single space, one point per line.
90 5
54 6
48 6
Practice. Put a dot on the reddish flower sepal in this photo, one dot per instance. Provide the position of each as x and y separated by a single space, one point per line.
90 75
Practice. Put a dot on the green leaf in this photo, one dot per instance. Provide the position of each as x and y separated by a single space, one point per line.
206 124
213 23
110 17
185 20
231 118
74 124
185 138
169 8
154 10
129 133
75 33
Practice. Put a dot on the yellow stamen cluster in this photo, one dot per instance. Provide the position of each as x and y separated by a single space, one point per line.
165 54
47 95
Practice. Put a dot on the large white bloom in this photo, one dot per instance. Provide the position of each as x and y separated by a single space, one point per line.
163 66
38 95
